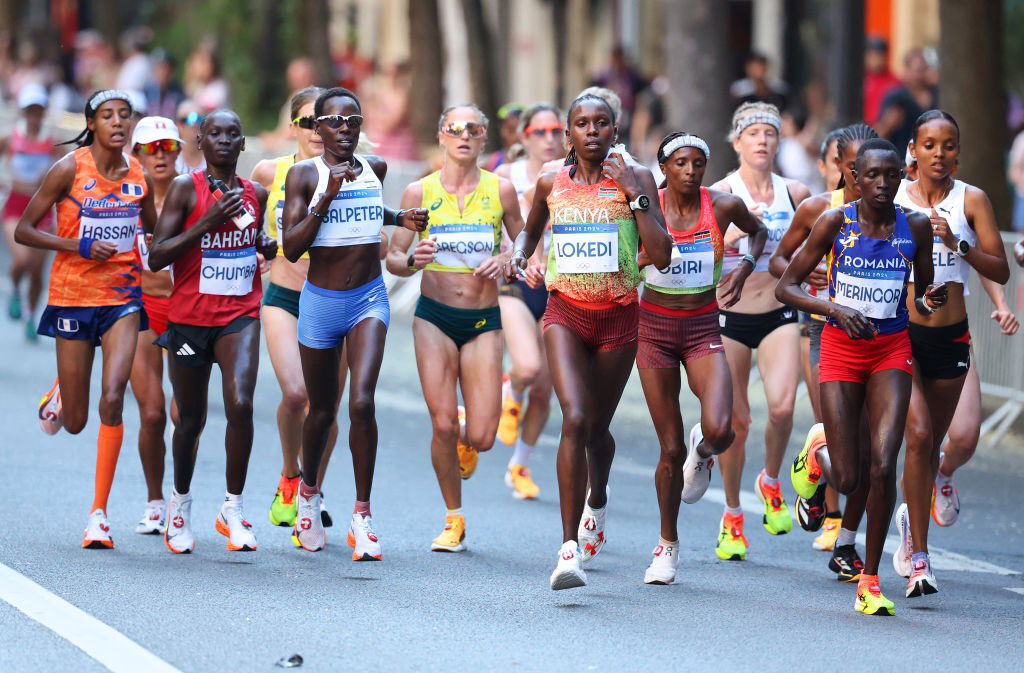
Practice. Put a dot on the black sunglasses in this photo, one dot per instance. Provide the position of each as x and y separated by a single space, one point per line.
336 121
306 122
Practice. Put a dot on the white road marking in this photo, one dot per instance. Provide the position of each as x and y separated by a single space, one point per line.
1016 590
107 645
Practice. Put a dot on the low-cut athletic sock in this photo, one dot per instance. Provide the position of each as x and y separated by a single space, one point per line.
232 500
454 512
518 397
833 515
942 479
770 482
846 537
180 496
307 491
521 454
108 448
362 508
918 556
734 511
668 543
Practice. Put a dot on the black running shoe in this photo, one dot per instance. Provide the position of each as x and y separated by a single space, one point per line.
811 512
846 563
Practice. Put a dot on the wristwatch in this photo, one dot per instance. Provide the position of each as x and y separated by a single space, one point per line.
642 203
962 248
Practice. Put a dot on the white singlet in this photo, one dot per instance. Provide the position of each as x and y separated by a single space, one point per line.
949 266
776 217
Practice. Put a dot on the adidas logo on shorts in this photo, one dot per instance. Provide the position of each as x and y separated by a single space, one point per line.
185 350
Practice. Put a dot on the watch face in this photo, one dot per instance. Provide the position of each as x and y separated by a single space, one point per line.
643 202
962 247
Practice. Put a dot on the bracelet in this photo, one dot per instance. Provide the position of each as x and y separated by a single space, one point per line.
85 246
319 216
749 258
411 262
923 305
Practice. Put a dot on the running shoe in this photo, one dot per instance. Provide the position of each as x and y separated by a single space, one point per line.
518 478
696 470
154 519
508 424
283 509
870 600
49 410
14 307
777 519
922 579
309 528
231 524
468 456
732 544
846 563
97 532
805 473
569 573
664 564
829 534
452 537
178 535
591 530
362 539
325 516
945 503
901 559
811 512
31 334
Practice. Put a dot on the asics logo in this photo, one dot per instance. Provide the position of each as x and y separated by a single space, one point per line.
178 521
305 523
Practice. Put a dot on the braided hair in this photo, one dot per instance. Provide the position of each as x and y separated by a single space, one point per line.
847 135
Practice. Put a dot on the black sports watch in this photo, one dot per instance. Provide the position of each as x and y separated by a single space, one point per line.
962 248
642 203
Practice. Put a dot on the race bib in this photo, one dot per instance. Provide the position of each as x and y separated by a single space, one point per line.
355 217
946 263
462 246
586 248
875 293
777 225
279 220
114 225
227 272
692 265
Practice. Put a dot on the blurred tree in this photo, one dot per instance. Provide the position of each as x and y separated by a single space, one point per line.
972 90
483 70
846 60
426 54
314 25
695 45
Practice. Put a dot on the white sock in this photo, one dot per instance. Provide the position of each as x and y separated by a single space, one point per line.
734 511
846 537
156 503
665 543
942 479
521 454
454 512
232 500
180 496
769 481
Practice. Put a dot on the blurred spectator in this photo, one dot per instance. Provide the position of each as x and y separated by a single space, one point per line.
136 71
878 79
299 74
163 94
94 64
188 119
203 81
796 157
140 108
508 132
1016 174
28 67
387 113
903 105
756 85
649 120
627 83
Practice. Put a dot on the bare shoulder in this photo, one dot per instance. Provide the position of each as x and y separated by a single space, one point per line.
798 191
378 164
264 172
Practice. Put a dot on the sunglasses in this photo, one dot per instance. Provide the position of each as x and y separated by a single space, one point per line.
539 131
191 119
336 121
306 122
456 129
149 149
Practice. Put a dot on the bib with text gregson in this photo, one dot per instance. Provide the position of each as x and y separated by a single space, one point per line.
462 246
354 218
876 293
586 248
227 272
114 225
777 224
692 265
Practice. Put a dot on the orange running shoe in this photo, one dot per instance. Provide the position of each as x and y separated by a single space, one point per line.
508 424
49 410
732 543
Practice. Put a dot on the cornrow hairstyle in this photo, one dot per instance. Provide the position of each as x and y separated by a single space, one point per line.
92 105
847 135
932 115
302 97
334 92
448 110
878 144
584 98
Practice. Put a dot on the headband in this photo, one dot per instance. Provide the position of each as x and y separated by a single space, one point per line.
102 97
758 118
687 140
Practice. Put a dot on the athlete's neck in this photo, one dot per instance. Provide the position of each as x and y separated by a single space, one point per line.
332 159
758 182
588 173
876 217
932 192
459 174
224 173
680 203
108 160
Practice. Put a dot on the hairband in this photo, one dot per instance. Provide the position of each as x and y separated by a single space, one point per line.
758 118
102 97
687 140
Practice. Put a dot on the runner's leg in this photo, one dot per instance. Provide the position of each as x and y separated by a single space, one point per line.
238 356
147 386
731 462
437 360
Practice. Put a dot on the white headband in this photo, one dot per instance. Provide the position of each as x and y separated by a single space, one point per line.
687 140
110 94
759 118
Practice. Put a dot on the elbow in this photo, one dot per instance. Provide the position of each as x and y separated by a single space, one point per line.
291 251
662 256
19 236
781 293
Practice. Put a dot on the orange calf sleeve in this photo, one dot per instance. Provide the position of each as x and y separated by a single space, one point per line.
108 447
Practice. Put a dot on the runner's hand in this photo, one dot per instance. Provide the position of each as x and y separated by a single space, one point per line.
643 259
423 253
339 173
940 228
101 251
853 322
818 278
1018 252
534 276
262 263
493 266
515 266
228 206
730 287
622 174
266 246
1008 322
936 295
415 219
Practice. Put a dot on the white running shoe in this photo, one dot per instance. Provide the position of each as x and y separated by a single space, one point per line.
178 534
591 530
231 524
922 579
945 500
663 567
696 470
49 410
362 539
568 574
309 526
901 559
97 532
154 520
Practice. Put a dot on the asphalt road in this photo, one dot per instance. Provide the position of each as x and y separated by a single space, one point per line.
489 608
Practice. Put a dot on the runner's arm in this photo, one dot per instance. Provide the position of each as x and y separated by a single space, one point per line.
529 238
789 289
804 217
148 212
399 260
1003 314
265 244
988 257
169 241
926 293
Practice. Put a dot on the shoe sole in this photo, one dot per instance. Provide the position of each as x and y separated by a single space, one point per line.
176 551
922 588
223 530
149 531
811 525
658 581
516 494
441 548
281 523
902 522
567 580
880 612
97 544
365 556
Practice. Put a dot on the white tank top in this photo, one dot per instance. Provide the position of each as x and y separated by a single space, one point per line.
518 175
949 266
356 214
776 216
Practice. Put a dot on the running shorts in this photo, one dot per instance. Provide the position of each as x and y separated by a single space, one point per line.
193 345
751 328
17 204
536 299
601 327
327 316
461 325
942 352
156 311
668 336
282 297
855 360
88 323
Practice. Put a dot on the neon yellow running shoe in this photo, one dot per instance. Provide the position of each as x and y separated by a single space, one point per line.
283 509
777 519
829 534
870 600
732 544
805 473
508 424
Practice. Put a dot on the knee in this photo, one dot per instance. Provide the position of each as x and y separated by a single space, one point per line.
112 404
190 426
446 430
361 409
540 399
153 416
294 399
73 422
963 442
741 425
718 434
239 409
481 441
781 413
883 471
918 437
672 450
526 372
574 425
321 417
